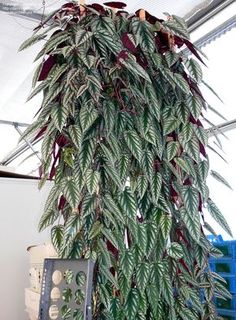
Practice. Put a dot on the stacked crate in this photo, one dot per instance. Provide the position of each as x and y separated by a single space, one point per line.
37 254
226 268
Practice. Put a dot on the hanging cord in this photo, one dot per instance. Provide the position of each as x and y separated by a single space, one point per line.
44 7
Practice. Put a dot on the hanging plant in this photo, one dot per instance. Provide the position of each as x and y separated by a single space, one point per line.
124 144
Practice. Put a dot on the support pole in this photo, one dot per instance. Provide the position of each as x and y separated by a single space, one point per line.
81 6
142 15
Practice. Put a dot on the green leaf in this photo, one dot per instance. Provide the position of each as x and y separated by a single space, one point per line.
109 235
57 237
219 178
192 223
86 154
192 149
134 143
54 41
127 263
135 69
167 289
112 173
128 203
175 251
174 25
113 208
47 146
82 36
142 275
50 211
48 218
58 73
147 163
172 149
165 224
88 205
155 184
142 234
217 215
195 105
95 230
71 193
194 69
109 115
143 35
92 180
87 117
131 304
38 89
32 130
108 275
142 184
59 116
72 227
123 164
190 198
32 40
75 135
202 135
186 133
170 125
182 164
181 82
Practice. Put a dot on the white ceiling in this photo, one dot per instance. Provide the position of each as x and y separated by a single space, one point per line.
157 7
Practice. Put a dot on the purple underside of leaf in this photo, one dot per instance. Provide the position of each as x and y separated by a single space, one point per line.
68 5
128 43
202 149
116 5
40 133
97 7
193 50
47 66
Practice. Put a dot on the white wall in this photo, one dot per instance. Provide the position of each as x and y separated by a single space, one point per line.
21 205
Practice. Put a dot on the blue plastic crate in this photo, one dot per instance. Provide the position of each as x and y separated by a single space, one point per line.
227 314
231 282
228 248
223 266
228 304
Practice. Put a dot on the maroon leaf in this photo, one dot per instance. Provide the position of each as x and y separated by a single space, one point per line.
53 168
192 119
68 5
116 5
40 133
200 203
123 55
47 66
61 141
178 41
97 7
62 203
193 50
187 182
128 43
202 149
112 249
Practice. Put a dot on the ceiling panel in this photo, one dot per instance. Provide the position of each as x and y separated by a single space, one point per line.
157 7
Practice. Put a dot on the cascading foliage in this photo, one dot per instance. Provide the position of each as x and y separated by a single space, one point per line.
124 144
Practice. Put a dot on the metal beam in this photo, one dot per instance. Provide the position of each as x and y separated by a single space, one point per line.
201 16
13 123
